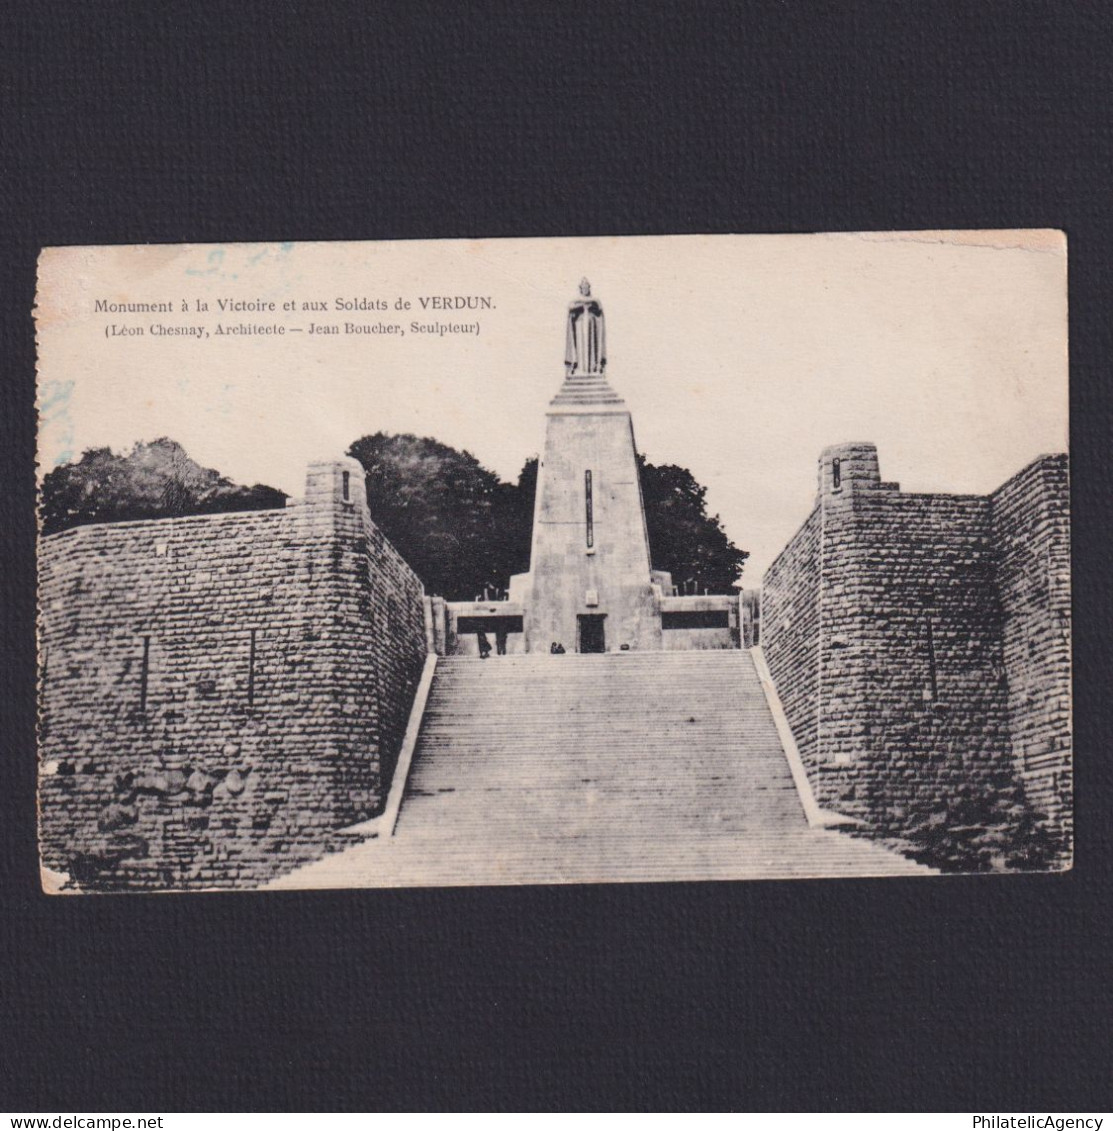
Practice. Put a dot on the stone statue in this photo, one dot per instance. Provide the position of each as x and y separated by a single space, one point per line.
586 344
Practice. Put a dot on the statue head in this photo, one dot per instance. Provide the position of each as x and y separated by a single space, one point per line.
585 287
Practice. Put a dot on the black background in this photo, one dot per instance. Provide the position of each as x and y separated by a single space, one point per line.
127 123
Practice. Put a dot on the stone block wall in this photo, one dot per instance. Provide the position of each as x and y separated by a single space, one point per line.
790 633
1031 527
919 642
911 705
218 694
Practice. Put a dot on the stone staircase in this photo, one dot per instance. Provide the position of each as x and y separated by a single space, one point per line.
619 767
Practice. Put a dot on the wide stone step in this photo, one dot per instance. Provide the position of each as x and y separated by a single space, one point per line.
450 860
576 663
575 723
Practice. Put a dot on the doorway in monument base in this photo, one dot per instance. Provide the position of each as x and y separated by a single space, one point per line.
593 636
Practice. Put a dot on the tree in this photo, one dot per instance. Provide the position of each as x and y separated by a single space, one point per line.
153 480
441 509
683 538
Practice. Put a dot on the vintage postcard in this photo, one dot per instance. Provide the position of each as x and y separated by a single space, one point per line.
553 561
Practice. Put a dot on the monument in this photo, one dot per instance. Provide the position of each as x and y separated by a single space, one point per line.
590 587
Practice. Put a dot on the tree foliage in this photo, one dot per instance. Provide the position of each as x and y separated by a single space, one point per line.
683 538
153 480
446 514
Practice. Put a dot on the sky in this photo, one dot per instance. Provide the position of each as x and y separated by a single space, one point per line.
740 357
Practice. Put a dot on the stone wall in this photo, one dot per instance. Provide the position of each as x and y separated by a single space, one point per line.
911 703
462 619
918 646
1032 532
686 623
218 694
790 633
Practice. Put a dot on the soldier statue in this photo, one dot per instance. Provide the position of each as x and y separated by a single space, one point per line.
586 343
